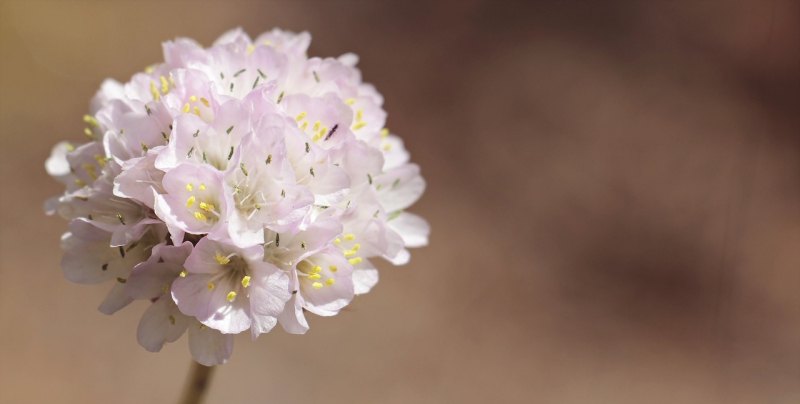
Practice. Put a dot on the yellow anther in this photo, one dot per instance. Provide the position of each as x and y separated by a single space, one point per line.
246 281
317 285
314 277
189 187
349 253
349 236
90 170
317 269
208 207
330 281
300 116
385 132
164 85
304 126
88 132
183 274
150 69
222 259
211 286
333 268
359 115
387 146
204 101
70 147
187 108
350 101
200 216
90 120
359 125
355 261
79 182
267 43
190 201
202 187
250 49
337 241
231 296
196 111
101 160
154 91
356 247
192 98
316 125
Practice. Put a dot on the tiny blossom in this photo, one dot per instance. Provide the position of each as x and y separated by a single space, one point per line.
235 188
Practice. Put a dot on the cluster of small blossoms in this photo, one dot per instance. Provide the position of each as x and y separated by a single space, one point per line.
234 188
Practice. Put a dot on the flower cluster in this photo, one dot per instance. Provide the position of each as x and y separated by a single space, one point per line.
234 188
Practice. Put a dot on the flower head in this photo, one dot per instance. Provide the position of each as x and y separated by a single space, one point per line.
235 187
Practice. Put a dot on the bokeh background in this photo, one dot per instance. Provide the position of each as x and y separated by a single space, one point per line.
613 187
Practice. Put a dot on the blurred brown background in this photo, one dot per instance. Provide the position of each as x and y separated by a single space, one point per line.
614 191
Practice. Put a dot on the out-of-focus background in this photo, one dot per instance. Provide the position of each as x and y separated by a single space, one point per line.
613 187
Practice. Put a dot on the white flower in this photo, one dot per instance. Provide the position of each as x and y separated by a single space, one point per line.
234 188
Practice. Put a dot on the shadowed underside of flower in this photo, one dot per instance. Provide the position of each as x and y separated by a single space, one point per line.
235 188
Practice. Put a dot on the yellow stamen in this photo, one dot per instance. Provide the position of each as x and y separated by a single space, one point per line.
150 69
300 116
246 281
356 247
250 49
221 259
199 216
359 115
204 101
208 207
154 91
192 98
349 236
350 101
385 132
231 296
333 268
202 187
183 274
190 201
349 253
196 111
88 132
316 126
189 187
355 261
90 120
164 85
187 108
314 277
317 285
211 286
359 125
317 269
337 241
330 281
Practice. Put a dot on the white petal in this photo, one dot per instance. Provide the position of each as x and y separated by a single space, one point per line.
209 347
115 300
162 322
413 229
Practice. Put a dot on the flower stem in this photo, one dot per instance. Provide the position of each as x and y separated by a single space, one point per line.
197 384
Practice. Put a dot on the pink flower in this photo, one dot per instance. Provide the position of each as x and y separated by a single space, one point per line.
233 188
